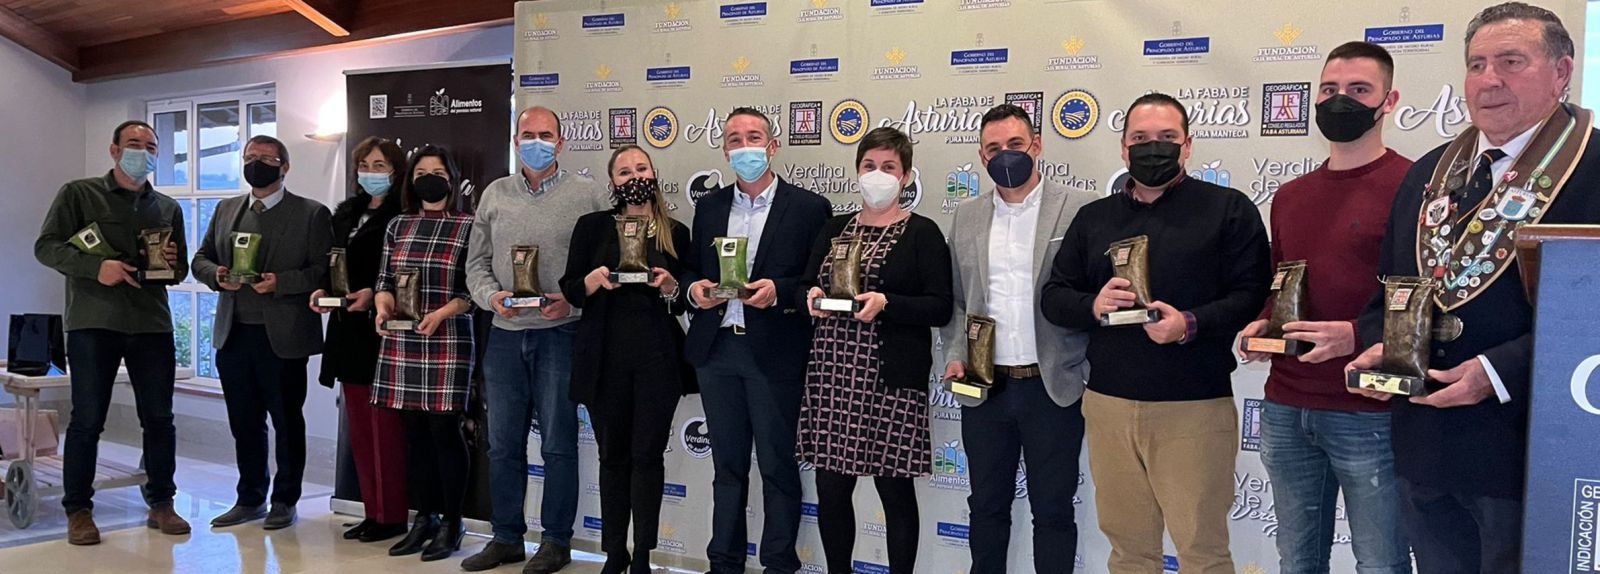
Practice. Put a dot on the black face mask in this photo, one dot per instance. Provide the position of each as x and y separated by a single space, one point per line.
431 188
1342 119
636 191
258 174
1154 163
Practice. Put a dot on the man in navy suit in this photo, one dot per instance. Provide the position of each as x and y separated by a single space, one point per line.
1459 451
750 353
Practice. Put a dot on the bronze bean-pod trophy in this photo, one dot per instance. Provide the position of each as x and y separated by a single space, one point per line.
407 311
246 251
1130 259
733 262
525 291
154 268
1288 306
979 377
338 281
633 266
845 279
1408 334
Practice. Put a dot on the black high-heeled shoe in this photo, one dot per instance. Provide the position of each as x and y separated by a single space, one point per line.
641 562
380 532
423 529
616 563
355 531
447 542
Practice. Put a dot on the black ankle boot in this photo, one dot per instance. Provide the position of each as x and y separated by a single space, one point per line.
641 562
447 542
380 532
355 531
423 529
616 562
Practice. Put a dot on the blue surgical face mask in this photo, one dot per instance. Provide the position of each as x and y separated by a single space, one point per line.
376 184
137 163
750 163
536 154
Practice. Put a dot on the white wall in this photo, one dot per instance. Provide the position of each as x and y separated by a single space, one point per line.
39 107
304 84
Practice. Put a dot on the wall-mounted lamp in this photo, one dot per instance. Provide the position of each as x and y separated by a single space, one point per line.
330 120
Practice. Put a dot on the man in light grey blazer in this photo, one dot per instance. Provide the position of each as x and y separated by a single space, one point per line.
1000 241
264 332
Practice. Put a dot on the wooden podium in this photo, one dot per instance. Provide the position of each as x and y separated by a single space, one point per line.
1560 267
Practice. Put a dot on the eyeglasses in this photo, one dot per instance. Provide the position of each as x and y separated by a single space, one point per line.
266 159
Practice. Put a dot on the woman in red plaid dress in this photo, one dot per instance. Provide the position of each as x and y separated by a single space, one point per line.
426 373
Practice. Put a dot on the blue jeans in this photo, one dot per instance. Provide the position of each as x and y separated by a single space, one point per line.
528 373
1312 454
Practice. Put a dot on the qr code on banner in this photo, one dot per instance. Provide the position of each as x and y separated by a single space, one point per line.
377 106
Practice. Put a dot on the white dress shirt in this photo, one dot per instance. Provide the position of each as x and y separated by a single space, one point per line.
748 218
1011 294
1513 150
270 201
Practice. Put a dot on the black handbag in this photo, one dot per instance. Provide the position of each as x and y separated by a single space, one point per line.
37 345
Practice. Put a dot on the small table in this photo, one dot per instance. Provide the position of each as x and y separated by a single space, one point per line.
33 477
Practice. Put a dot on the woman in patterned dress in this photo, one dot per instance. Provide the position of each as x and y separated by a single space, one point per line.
865 409
426 373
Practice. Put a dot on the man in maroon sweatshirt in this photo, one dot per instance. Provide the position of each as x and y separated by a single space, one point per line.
1317 438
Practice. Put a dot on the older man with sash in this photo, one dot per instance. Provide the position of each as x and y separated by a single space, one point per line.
1459 448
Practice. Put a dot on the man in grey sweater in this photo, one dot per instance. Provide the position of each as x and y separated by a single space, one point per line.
527 365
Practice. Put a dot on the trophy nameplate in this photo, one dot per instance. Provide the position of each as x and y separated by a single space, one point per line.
734 267
338 279
979 376
1408 333
1130 259
844 279
1289 305
154 268
525 291
407 310
633 267
246 250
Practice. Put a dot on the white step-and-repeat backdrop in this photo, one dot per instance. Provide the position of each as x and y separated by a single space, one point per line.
664 75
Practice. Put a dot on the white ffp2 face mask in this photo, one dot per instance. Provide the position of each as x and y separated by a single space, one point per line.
878 189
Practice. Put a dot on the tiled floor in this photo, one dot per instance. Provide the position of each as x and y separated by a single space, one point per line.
312 546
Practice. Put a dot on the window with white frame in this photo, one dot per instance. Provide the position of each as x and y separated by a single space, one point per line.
199 163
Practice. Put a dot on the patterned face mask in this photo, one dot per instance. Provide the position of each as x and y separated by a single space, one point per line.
636 191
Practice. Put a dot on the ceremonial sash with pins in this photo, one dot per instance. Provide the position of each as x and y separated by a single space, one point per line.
1466 248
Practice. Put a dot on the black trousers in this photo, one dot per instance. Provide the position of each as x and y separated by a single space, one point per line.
1019 421
436 461
1461 534
94 355
836 519
257 384
632 419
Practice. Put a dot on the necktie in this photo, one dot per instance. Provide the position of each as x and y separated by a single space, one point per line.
1482 180
258 207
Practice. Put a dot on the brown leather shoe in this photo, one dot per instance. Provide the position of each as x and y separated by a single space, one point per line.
162 517
81 530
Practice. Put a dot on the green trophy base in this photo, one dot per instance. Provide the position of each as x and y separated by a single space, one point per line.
1288 347
836 305
1129 317
967 389
400 325
630 277
333 302
1388 383
524 302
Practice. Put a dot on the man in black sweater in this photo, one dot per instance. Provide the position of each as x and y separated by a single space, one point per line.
1159 410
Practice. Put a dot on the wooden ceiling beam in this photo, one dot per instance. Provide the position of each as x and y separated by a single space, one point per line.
278 35
38 40
330 15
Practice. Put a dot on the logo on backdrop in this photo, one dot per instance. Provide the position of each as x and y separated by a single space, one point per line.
805 123
696 437
673 21
604 24
1407 39
848 122
874 527
623 121
1075 114
1021 490
950 467
592 524
1074 60
1268 175
602 82
668 541
983 4
960 185
1585 498
1252 503
743 13
814 69
1031 102
951 534
941 401
887 7
667 77
541 30
701 184
1447 111
979 60
1177 51
1285 109
583 130
822 179
1061 173
1215 112
1250 426
897 69
1580 384
539 83
911 195
1287 50
819 12
585 426
660 127
712 129
957 117
739 78
441 104
808 555
1118 181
